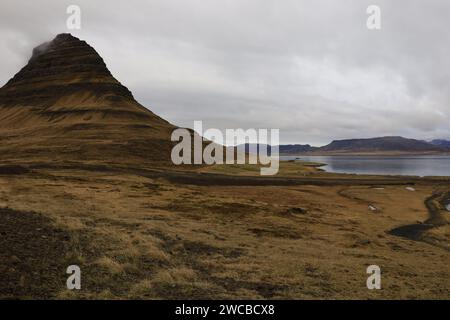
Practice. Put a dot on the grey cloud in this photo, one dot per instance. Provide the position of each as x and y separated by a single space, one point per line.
308 67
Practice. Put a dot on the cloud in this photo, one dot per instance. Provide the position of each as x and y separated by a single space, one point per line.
308 67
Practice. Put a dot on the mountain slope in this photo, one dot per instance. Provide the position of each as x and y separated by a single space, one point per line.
65 105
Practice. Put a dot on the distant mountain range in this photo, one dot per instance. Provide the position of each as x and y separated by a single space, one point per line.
441 143
285 149
379 145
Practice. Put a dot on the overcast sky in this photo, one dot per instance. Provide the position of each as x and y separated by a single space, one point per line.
308 67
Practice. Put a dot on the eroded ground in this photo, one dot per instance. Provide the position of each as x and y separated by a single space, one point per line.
141 235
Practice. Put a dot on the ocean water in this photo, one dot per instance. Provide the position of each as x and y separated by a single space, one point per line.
430 165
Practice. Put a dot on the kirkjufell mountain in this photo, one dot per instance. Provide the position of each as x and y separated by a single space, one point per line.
65 105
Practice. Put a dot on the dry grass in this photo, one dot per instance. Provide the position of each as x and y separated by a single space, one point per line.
139 237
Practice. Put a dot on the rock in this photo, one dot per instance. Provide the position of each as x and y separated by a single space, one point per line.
410 189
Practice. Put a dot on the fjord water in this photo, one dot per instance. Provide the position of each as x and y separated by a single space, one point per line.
429 165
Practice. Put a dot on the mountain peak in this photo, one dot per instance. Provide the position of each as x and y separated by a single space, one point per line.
59 40
58 67
65 36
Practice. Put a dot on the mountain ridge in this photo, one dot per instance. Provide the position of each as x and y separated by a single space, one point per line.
378 145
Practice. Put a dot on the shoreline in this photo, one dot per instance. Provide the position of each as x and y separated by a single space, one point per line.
309 162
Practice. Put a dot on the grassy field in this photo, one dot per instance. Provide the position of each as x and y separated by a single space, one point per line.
146 235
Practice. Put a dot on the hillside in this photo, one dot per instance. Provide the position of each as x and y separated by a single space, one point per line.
65 105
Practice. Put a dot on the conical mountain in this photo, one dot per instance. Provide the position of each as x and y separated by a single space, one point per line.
65 105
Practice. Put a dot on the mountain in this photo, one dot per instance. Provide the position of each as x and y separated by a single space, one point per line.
381 145
441 143
65 105
285 149
296 148
393 145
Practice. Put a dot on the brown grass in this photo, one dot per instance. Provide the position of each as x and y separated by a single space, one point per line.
141 237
